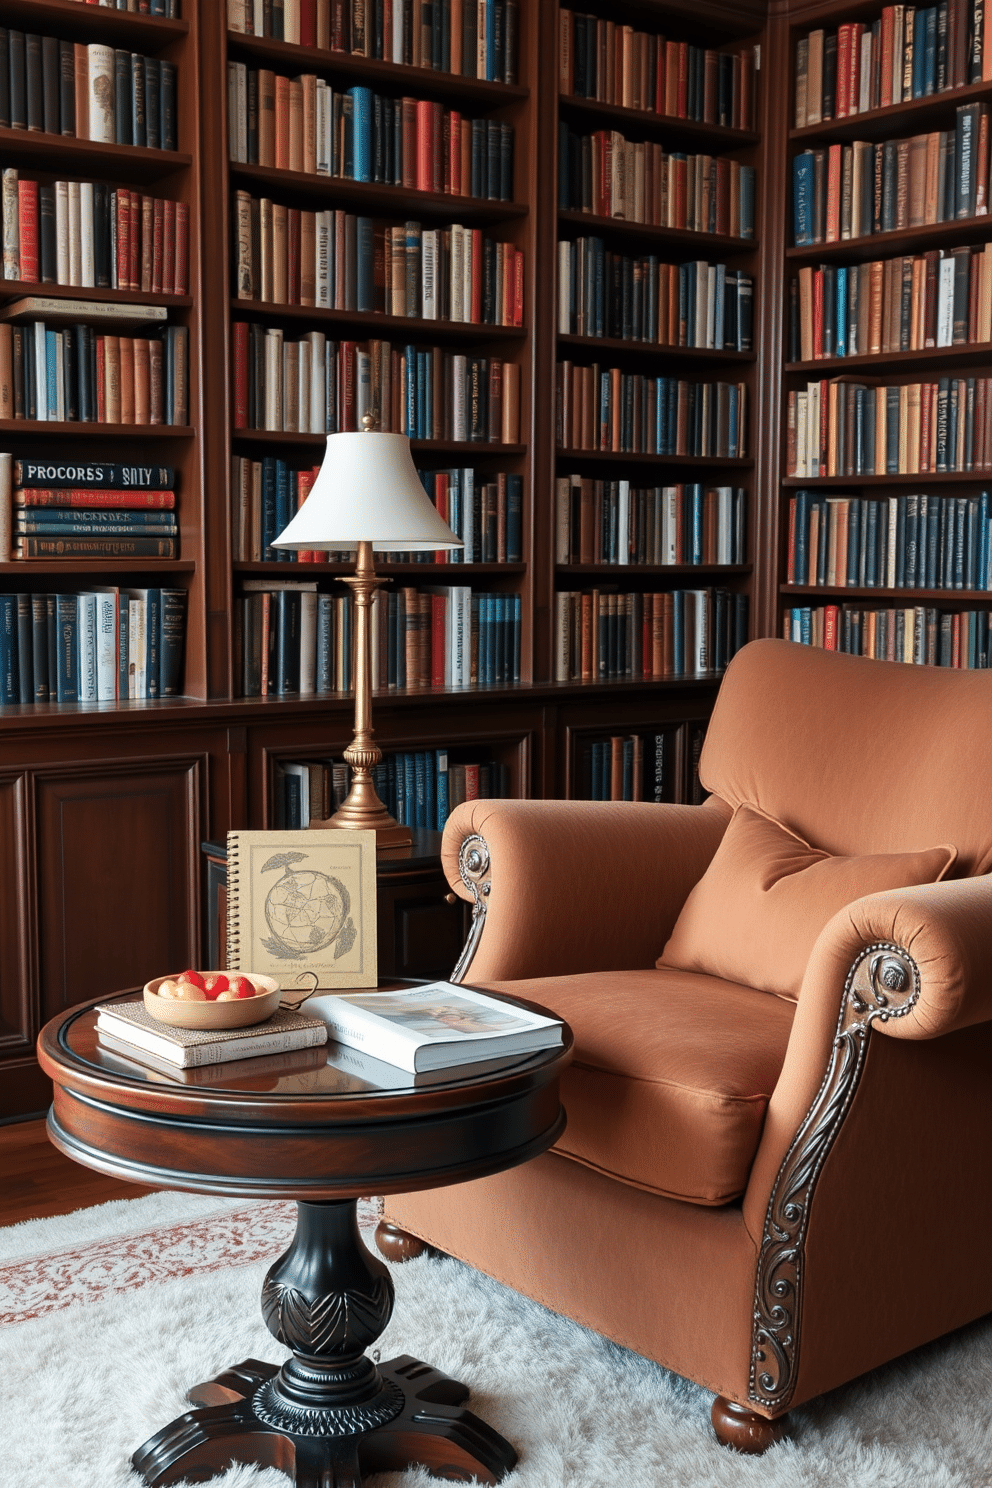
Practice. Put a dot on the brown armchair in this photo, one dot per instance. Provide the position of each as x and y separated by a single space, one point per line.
768 1194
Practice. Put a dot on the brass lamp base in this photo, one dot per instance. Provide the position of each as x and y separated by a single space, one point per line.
350 815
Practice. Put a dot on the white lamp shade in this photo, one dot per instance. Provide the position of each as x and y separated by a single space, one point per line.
368 490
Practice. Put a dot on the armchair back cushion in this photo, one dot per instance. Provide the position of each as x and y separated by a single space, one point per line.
801 734
756 912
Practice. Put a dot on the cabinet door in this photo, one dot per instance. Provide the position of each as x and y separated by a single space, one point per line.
118 851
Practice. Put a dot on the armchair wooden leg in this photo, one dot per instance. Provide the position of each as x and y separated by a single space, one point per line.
742 1429
396 1244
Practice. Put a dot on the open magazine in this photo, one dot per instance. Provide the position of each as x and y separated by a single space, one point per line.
435 1025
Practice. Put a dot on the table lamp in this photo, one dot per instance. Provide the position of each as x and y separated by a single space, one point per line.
367 496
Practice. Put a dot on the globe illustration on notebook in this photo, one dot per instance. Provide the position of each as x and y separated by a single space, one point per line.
306 910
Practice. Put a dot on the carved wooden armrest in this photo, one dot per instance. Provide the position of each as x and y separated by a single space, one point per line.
572 886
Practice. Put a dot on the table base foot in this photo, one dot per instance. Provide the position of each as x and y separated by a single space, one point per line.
430 1428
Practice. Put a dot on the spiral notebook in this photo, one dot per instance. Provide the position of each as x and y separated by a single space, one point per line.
303 904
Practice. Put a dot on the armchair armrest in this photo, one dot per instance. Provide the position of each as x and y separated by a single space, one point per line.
944 934
574 885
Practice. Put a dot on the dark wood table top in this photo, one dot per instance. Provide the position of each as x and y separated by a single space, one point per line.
296 1125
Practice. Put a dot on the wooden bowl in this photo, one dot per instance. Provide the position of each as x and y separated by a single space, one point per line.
240 1014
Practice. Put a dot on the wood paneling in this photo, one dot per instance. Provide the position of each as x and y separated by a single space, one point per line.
16 980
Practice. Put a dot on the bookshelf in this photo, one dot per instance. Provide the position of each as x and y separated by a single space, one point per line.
103 805
903 570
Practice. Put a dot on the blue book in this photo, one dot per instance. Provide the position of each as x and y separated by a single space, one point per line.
892 431
442 806
599 287
410 358
919 46
734 436
52 372
123 620
661 417
678 630
517 603
872 546
420 788
514 519
491 42
900 542
427 423
672 433
362 156
66 648
983 542
283 509
854 542
364 259
840 298
694 498
10 672
801 537
720 306
409 787
930 50
747 202
270 530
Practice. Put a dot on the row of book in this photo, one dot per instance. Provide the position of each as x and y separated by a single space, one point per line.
609 521
337 260
294 639
73 499
612 637
853 191
87 234
473 38
303 124
939 298
610 176
420 788
90 92
315 385
893 542
613 769
95 646
78 374
843 427
614 63
907 52
167 9
642 299
605 408
486 514
922 635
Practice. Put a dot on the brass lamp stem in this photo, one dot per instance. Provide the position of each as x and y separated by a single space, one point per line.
362 807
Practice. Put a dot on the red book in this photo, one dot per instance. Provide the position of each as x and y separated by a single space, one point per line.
446 162
101 380
439 618
455 152
308 23
831 618
168 247
818 313
437 147
87 497
239 356
602 196
134 264
842 101
888 22
518 287
349 411
182 248
157 245
266 625
790 563
337 25
682 102
425 144
27 216
833 194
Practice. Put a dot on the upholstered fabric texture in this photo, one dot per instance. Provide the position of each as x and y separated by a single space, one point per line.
670 1078
755 914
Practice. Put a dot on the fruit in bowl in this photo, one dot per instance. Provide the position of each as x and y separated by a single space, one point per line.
212 999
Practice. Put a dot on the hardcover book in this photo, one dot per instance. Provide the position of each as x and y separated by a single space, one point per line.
187 1047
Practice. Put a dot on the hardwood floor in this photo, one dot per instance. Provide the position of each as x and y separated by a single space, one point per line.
37 1181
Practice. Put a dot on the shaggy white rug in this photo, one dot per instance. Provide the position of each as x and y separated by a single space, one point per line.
110 1314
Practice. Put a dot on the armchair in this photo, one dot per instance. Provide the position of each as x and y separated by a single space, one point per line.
769 1194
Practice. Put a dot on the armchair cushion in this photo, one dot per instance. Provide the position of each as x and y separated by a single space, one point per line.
670 1079
755 914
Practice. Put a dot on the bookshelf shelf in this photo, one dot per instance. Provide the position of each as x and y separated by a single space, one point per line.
426 446
15 289
672 462
382 567
638 571
932 358
912 117
646 123
368 196
63 154
86 22
377 324
892 244
640 234
652 349
258 51
920 478
62 567
910 596
42 429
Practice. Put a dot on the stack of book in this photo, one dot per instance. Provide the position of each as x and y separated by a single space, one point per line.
126 1029
419 787
852 191
85 234
906 53
318 386
611 637
92 92
613 522
303 124
57 367
337 260
641 299
473 38
610 176
614 63
91 509
605 408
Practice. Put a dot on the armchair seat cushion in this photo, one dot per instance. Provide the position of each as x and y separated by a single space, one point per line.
671 1076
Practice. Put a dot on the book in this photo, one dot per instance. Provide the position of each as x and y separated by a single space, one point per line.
302 903
66 312
434 1026
128 1059
132 1024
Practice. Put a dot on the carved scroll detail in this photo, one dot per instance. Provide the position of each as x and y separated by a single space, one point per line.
473 868
883 983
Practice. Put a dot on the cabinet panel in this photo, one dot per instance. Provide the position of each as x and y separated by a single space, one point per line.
16 987
118 857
